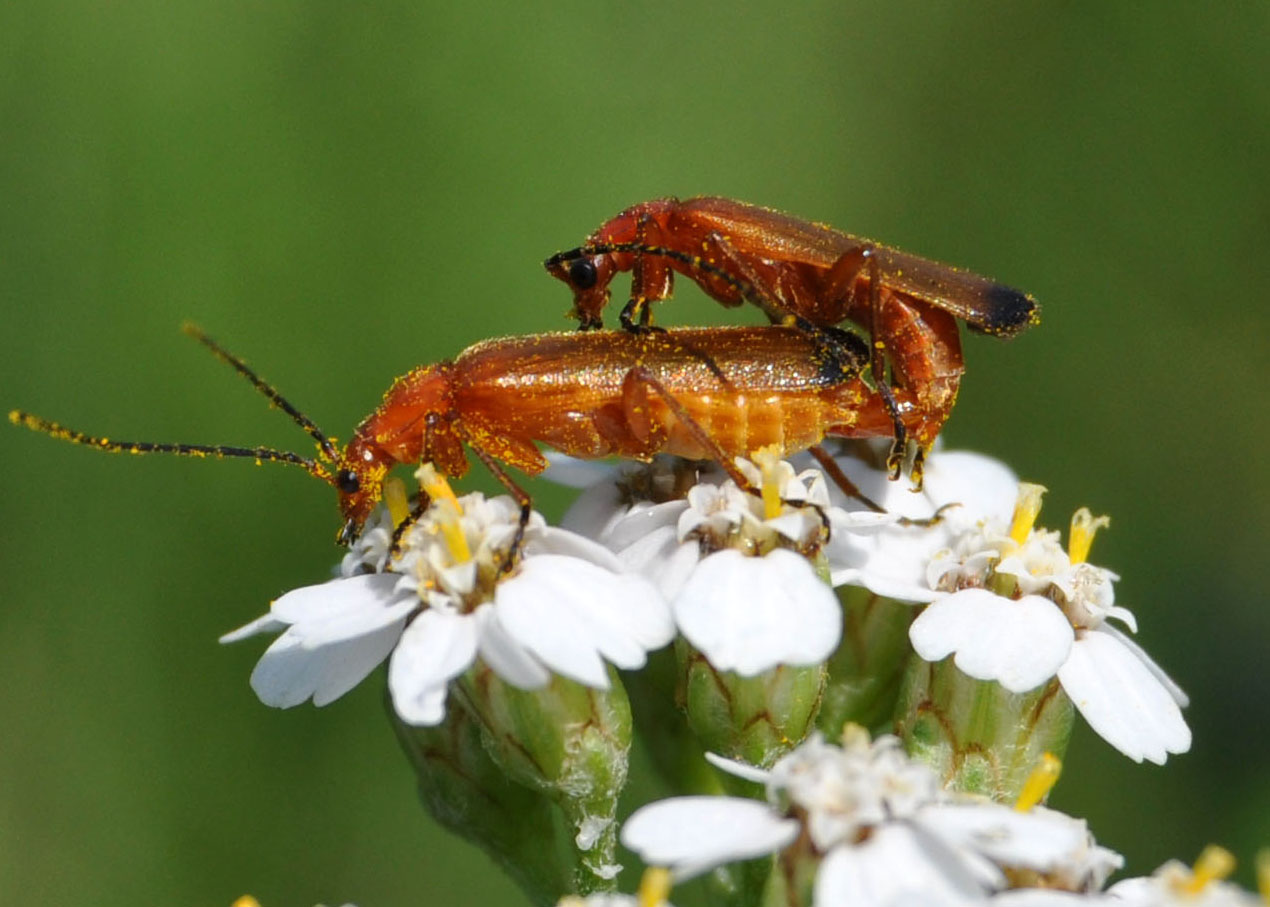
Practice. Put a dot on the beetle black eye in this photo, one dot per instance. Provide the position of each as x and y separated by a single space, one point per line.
346 481
582 274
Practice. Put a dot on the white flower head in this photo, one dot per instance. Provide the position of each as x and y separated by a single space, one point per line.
448 594
963 488
737 567
1011 605
878 824
1177 885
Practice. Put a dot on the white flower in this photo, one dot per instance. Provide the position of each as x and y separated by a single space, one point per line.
1175 885
567 606
879 824
892 561
1014 607
734 566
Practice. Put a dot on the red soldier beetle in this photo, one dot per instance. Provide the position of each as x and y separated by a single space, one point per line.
803 273
711 393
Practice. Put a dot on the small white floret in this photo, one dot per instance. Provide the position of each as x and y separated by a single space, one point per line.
1019 644
750 614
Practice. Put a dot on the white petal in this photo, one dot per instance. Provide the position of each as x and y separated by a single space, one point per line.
648 555
574 473
739 769
505 656
984 487
312 604
896 865
1020 644
553 540
750 614
1032 840
343 608
594 510
1122 700
1178 694
679 562
265 623
435 648
292 671
693 834
643 519
569 613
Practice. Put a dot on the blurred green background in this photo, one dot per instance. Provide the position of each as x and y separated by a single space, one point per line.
340 191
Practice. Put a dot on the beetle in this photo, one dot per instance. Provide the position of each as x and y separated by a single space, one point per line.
802 273
709 393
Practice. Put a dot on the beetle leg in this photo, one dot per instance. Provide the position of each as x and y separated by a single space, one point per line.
651 278
521 496
422 503
839 289
851 490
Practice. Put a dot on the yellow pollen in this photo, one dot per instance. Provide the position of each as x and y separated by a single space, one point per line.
395 500
768 461
1213 865
246 901
654 887
1040 782
1084 527
1026 509
1263 874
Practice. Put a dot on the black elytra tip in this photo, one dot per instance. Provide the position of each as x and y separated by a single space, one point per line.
1006 312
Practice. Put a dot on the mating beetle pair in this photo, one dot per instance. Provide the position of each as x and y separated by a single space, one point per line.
712 393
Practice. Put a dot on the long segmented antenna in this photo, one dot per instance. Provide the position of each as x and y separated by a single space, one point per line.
299 418
259 454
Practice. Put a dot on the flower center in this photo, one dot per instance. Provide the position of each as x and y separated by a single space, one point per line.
447 512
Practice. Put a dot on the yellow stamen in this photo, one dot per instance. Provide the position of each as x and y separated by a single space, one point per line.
1084 527
447 515
1038 784
396 501
446 510
246 901
1026 509
1263 874
1213 865
435 486
654 887
768 460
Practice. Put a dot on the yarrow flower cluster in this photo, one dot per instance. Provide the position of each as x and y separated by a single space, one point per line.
876 827
1011 605
744 574
444 596
759 574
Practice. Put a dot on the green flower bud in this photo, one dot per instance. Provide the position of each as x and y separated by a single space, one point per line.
978 735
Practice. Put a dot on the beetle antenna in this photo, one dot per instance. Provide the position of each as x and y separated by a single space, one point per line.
259 454
328 449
